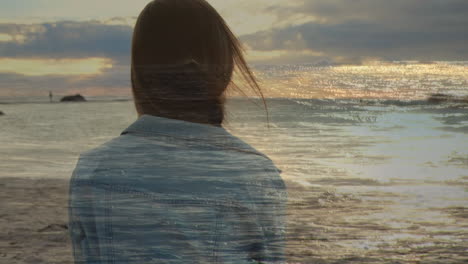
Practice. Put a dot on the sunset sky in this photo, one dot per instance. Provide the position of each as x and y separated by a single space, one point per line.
70 45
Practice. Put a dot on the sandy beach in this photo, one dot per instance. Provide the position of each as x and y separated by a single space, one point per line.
34 228
33 221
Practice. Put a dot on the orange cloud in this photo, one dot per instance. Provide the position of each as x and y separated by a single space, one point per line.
41 67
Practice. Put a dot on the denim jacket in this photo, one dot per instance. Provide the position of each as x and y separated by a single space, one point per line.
171 191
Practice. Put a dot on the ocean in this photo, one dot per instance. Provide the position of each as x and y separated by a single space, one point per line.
380 178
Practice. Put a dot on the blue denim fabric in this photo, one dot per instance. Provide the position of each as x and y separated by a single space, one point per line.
171 191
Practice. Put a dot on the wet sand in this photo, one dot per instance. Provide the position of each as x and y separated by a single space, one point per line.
33 221
328 227
321 228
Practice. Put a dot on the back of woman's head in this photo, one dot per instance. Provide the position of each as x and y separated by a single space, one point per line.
183 58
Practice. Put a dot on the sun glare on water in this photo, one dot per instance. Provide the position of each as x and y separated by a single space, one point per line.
399 80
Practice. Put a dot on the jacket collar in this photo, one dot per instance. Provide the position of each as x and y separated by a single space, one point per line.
156 125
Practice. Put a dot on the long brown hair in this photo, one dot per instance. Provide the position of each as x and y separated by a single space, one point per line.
183 59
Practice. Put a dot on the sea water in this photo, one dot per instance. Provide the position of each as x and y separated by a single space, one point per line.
372 181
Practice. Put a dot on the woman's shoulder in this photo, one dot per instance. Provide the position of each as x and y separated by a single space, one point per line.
90 160
138 153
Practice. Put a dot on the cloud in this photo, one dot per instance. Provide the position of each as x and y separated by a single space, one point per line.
66 39
398 12
244 16
339 30
39 67
353 31
65 56
115 80
273 31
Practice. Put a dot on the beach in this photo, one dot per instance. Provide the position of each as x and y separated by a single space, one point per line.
369 180
361 107
34 221
35 228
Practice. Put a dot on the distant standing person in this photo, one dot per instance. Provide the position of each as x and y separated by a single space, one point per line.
50 96
176 187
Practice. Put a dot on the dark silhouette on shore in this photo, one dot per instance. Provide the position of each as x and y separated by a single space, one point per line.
1 113
73 98
50 96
